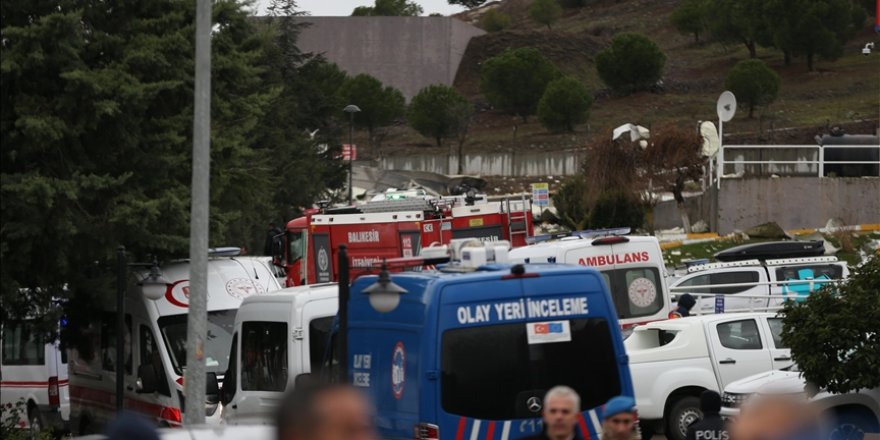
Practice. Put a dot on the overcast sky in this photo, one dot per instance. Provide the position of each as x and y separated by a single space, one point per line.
344 7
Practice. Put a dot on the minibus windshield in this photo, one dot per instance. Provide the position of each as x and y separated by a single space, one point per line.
220 327
487 370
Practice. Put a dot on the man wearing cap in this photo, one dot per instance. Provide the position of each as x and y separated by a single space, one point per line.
619 419
712 426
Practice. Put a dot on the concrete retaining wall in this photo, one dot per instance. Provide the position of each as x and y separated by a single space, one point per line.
407 53
792 202
512 164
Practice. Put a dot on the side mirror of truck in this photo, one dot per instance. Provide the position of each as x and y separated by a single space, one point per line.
212 389
227 392
146 379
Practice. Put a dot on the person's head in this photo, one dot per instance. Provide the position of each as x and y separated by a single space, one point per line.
130 426
325 412
619 417
686 301
710 402
561 407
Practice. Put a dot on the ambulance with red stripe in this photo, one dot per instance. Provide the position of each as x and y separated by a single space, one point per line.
155 343
33 371
470 350
631 265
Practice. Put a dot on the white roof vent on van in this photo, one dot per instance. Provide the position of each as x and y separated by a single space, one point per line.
469 253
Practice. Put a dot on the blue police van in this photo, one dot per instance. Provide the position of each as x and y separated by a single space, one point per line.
470 354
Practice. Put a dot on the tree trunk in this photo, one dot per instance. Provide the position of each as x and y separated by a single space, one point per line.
751 111
810 61
685 219
439 140
753 50
697 37
460 156
787 55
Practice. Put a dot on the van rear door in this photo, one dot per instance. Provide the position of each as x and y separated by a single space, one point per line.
500 353
633 269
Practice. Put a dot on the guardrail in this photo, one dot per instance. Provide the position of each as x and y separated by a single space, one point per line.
815 166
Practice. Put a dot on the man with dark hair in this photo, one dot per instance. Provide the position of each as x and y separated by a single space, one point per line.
325 412
712 426
685 303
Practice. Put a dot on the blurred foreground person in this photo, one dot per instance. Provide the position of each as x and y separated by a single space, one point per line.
561 408
711 426
777 417
130 426
325 412
619 419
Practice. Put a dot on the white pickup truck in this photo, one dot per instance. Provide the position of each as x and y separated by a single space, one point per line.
673 361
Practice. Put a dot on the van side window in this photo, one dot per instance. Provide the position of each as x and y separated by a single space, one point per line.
22 344
776 332
150 355
740 335
319 337
731 277
264 356
108 342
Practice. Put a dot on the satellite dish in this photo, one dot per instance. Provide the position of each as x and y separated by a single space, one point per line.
726 106
710 138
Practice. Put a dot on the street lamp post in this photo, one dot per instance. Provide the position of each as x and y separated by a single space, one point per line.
121 269
351 109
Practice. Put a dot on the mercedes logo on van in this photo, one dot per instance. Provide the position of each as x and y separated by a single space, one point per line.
534 404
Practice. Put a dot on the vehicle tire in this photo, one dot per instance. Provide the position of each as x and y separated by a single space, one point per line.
84 425
685 410
853 424
35 423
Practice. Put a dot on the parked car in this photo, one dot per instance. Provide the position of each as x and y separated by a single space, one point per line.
673 361
757 284
850 413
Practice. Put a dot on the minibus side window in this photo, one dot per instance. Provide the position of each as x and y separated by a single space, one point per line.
22 344
264 356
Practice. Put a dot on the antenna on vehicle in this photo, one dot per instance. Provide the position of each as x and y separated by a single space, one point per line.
726 108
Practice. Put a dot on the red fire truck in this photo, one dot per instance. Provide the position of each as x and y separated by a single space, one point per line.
392 229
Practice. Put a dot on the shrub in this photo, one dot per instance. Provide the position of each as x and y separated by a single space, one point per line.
516 79
495 21
632 63
566 102
753 83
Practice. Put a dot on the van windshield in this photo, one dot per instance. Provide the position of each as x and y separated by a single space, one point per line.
490 372
220 327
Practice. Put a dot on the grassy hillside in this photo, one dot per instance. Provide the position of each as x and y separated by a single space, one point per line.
844 92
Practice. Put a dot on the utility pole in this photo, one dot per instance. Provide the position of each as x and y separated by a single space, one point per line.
197 326
121 270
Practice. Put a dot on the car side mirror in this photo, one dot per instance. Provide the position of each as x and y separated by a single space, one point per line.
146 379
303 379
212 389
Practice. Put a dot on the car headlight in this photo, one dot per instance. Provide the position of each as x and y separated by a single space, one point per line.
733 400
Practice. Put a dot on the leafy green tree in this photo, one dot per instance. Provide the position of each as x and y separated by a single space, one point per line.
812 28
494 21
740 22
753 83
380 105
432 112
690 18
632 63
515 80
616 209
571 204
566 102
96 140
391 8
545 12
470 4
833 333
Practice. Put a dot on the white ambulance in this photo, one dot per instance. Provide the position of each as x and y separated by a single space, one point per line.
33 371
277 337
631 265
155 344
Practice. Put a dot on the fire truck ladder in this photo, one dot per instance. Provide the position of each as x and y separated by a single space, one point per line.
517 222
397 206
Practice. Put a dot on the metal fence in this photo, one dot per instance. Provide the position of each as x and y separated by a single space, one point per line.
798 160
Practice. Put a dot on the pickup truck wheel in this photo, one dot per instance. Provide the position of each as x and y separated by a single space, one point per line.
36 423
685 411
